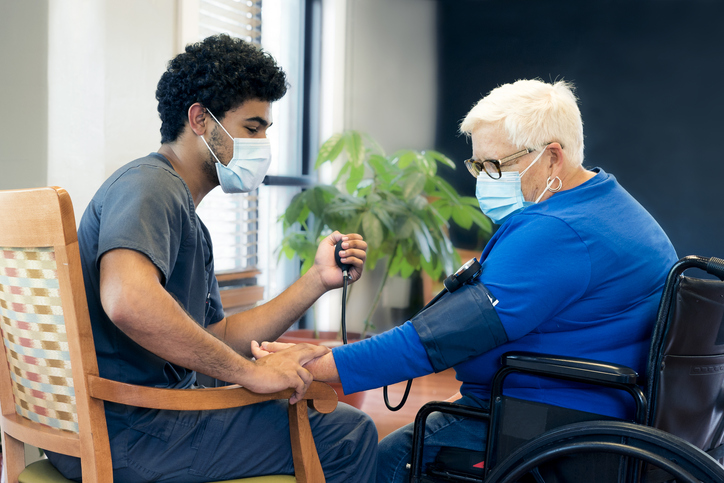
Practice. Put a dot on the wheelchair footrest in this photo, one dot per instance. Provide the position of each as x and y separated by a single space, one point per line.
457 464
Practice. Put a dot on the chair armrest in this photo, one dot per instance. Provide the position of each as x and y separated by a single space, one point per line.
320 396
570 367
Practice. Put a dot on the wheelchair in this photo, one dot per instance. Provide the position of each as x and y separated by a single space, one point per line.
677 433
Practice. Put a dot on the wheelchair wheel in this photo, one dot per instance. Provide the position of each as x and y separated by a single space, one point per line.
683 461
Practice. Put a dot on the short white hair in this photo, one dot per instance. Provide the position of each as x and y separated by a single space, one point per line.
532 113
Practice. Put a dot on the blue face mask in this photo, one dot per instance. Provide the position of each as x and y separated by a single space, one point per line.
503 197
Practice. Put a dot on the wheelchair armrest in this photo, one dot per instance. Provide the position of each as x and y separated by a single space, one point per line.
570 368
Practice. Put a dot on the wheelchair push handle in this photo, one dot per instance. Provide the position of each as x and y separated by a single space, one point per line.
716 267
711 265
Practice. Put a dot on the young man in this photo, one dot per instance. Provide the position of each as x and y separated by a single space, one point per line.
154 301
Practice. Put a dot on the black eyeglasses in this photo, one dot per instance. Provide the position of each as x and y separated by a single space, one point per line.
492 166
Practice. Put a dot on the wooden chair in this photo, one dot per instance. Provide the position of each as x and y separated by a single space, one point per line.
51 395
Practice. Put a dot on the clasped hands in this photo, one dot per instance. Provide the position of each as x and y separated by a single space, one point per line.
315 364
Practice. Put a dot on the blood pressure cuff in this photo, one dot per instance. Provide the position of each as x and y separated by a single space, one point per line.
459 326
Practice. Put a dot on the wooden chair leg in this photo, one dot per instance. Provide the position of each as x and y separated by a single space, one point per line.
13 458
307 467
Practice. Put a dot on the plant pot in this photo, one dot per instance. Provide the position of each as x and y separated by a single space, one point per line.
328 339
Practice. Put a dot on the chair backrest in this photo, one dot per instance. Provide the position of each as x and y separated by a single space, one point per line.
47 338
685 376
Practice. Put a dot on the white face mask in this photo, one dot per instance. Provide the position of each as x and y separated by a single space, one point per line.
248 165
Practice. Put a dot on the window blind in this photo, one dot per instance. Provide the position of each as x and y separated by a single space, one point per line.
238 18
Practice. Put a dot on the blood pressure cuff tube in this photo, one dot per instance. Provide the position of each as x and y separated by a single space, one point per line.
459 326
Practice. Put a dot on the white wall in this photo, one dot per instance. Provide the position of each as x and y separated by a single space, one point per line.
392 71
24 93
104 60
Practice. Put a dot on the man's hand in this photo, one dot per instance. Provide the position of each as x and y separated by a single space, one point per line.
354 253
322 368
283 369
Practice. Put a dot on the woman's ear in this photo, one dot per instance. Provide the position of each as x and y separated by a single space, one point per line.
556 157
197 118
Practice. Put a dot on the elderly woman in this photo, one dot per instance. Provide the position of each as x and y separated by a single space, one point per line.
576 268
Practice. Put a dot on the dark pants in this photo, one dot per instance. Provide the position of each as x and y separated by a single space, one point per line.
238 443
441 430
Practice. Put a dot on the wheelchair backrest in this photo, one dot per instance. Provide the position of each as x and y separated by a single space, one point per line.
686 366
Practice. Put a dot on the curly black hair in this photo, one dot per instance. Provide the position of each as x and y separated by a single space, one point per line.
219 72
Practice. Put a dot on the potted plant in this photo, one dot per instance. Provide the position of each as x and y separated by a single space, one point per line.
396 202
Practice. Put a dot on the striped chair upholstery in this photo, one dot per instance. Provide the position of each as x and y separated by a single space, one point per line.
34 337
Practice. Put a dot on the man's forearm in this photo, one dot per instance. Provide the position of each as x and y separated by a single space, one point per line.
136 302
172 335
268 321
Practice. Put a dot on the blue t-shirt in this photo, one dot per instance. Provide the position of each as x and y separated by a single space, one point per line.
580 274
147 207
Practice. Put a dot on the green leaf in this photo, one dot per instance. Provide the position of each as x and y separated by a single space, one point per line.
354 224
344 209
356 174
374 144
363 191
443 207
355 148
382 168
373 199
441 158
291 215
412 254
345 167
428 267
288 251
405 158
383 216
471 201
430 162
316 201
406 269
395 263
422 242
407 229
480 219
419 203
329 150
447 191
372 257
431 241
307 265
303 216
372 229
413 185
462 217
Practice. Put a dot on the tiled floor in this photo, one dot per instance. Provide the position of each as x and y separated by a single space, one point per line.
435 387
